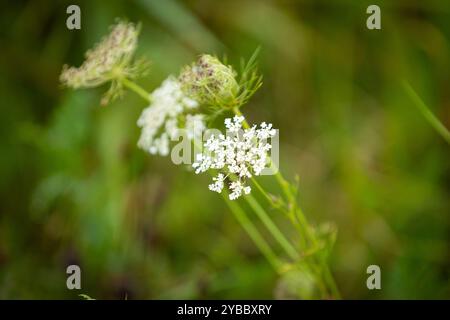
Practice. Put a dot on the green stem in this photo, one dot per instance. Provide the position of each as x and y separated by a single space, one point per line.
253 233
263 192
429 116
136 88
290 213
273 229
331 283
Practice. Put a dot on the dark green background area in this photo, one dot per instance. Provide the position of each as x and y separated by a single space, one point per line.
75 189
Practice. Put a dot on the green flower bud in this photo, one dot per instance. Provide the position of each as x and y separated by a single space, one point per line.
209 81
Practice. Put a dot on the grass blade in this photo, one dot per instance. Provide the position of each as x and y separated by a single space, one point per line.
429 116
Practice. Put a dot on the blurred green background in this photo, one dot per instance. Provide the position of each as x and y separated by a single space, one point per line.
75 189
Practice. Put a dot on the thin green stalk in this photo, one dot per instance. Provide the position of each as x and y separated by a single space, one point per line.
254 234
136 88
331 282
297 212
263 192
276 233
324 269
429 116
283 183
291 215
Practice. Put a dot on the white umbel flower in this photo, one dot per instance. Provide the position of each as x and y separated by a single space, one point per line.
160 121
241 154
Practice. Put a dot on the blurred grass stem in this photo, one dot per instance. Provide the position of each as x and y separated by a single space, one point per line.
426 112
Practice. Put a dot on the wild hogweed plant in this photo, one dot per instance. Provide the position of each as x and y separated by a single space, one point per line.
182 107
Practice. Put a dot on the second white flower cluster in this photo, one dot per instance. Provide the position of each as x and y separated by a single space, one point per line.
160 121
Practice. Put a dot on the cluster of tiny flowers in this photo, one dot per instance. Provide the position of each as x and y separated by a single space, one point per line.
114 51
209 80
241 154
160 122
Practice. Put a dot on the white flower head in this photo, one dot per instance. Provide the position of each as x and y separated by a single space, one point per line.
161 120
239 155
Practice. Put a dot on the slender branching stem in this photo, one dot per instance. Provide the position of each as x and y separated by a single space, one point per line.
263 192
428 115
273 229
136 88
254 234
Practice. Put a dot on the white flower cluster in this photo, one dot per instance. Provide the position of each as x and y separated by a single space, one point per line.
160 122
115 50
241 154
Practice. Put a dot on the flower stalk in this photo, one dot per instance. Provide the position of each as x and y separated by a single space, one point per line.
136 88
254 234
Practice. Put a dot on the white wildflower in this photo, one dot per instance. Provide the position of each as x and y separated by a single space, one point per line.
241 154
160 121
